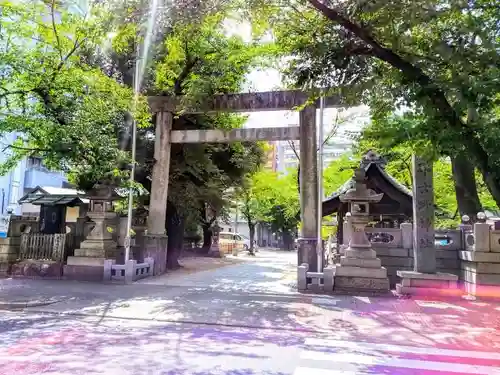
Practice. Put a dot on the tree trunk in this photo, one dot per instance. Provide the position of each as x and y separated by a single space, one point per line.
175 232
251 227
298 180
493 184
207 238
468 202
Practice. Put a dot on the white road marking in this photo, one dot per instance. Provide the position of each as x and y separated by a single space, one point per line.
401 349
355 358
362 361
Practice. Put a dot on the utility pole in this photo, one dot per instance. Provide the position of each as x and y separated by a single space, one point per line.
319 249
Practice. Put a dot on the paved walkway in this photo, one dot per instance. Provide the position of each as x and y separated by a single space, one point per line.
245 319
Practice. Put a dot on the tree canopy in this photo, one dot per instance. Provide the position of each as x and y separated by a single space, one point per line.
67 89
65 111
437 61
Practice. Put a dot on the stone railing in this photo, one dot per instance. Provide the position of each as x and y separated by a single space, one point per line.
129 272
480 261
481 238
472 253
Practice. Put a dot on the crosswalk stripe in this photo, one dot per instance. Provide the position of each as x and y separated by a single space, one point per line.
321 371
350 362
311 342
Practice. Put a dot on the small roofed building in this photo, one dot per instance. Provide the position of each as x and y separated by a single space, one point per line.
55 207
395 206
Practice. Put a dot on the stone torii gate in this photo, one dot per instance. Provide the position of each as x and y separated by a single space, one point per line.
165 107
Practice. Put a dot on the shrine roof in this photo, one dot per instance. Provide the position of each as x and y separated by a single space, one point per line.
50 196
372 160
377 179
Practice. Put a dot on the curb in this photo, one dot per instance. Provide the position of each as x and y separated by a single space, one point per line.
26 304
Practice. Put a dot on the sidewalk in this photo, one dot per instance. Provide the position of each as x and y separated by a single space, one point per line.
21 293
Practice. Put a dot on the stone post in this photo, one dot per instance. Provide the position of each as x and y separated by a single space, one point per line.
423 217
482 237
155 241
407 235
308 189
424 279
161 170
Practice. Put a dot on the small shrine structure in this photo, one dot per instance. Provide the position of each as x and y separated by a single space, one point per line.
394 207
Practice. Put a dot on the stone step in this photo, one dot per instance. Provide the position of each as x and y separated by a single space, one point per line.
376 273
360 262
85 261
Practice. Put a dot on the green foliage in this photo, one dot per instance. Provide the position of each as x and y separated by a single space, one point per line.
198 61
271 198
67 112
338 172
68 92
436 60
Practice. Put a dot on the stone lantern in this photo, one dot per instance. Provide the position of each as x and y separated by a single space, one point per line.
87 264
360 269
359 199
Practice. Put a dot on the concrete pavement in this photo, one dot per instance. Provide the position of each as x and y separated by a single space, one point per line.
245 319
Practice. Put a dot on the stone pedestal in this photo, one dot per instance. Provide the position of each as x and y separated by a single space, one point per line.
361 274
480 273
418 283
99 243
9 252
359 269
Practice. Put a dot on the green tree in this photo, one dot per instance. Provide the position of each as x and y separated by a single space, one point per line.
70 95
284 213
439 60
271 198
64 110
194 60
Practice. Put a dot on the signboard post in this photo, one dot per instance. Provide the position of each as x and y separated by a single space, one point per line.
4 225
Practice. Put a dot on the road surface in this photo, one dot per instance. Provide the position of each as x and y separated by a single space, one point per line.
242 319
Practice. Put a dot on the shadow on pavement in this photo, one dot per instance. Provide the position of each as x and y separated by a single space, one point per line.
65 345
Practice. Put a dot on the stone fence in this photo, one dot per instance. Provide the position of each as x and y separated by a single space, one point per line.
394 247
129 272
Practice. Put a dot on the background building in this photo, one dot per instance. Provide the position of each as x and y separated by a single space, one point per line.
30 172
26 176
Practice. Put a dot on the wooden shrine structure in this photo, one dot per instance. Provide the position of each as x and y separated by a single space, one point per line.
395 206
